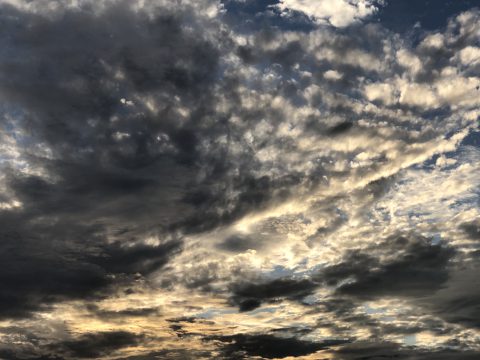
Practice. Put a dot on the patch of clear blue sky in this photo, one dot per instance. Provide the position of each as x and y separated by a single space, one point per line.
472 139
397 15
254 15
214 312
371 310
401 15
410 340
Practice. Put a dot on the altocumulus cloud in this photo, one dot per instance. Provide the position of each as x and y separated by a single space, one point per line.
239 179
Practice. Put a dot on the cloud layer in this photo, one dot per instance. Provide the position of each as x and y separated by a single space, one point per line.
237 179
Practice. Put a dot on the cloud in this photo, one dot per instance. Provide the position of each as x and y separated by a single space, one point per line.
339 13
52 270
85 213
472 229
250 295
270 347
94 345
375 350
418 268
457 301
248 190
173 354
237 243
124 313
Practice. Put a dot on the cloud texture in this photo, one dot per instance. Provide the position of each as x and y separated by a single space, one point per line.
238 179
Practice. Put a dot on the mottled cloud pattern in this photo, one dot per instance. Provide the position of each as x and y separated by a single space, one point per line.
239 179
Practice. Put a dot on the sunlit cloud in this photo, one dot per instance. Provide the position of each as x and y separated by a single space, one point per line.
238 179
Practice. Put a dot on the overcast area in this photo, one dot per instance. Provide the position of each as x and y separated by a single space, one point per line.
239 179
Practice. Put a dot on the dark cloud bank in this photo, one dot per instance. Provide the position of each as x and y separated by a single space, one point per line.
117 171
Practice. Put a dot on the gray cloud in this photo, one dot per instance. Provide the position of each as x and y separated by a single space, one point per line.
374 350
158 150
418 268
243 346
93 345
250 295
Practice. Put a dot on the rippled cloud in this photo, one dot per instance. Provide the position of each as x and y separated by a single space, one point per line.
239 179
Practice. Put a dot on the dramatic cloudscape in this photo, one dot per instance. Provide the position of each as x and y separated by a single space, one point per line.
239 179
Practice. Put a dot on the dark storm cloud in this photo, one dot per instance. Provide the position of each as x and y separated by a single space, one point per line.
250 295
37 270
386 350
141 259
63 74
458 302
472 229
244 346
94 345
11 355
116 171
420 271
44 263
418 268
239 243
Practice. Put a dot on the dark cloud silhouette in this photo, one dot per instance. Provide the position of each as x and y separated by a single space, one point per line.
141 259
250 295
43 263
93 345
457 302
35 273
238 243
418 268
10 355
386 350
340 128
244 346
472 229
248 304
114 163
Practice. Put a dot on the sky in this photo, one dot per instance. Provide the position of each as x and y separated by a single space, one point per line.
239 179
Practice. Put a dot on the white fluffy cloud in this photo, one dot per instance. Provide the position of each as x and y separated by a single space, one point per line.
339 13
